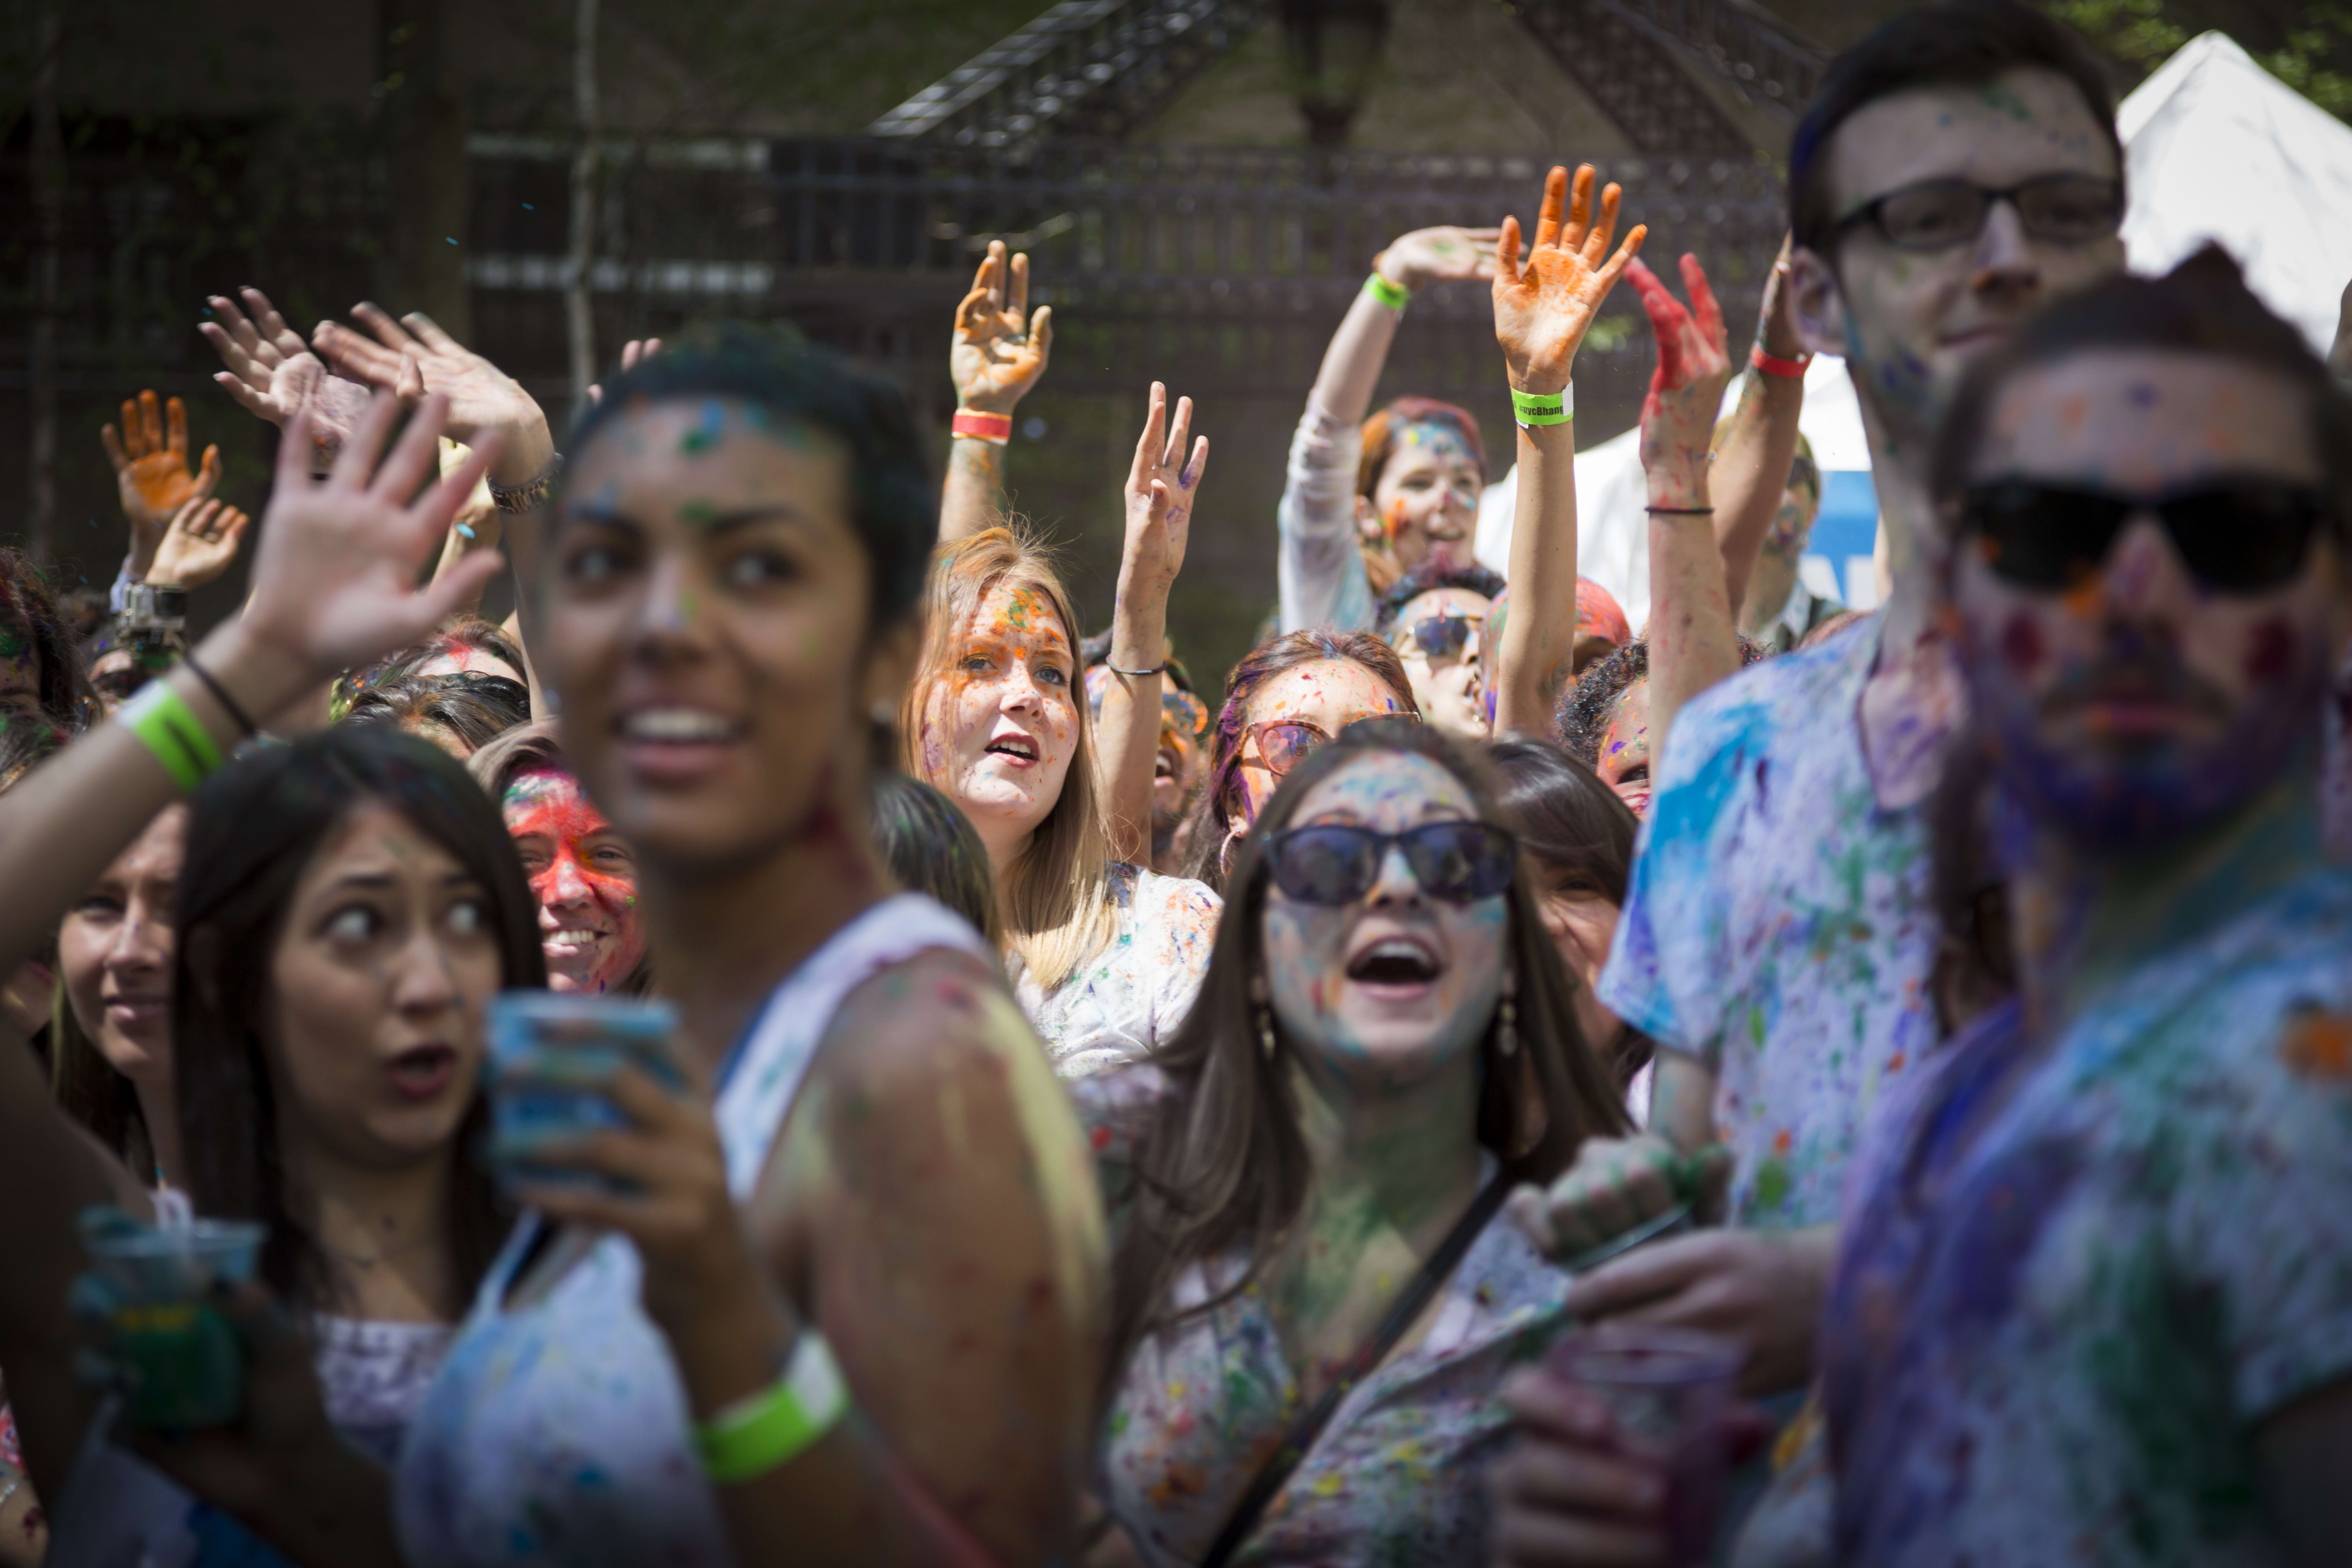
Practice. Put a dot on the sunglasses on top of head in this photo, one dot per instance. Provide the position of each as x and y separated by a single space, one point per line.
1337 863
1938 215
2235 535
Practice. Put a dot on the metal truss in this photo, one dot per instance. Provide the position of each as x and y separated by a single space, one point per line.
1628 54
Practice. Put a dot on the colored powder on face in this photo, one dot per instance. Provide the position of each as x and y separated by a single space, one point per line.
2272 651
2021 643
706 431
697 513
550 807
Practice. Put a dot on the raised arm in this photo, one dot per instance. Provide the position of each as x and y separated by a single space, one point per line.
1692 644
998 355
1751 469
1542 311
152 478
1161 488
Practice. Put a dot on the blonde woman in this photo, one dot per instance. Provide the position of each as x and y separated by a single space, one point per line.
1105 955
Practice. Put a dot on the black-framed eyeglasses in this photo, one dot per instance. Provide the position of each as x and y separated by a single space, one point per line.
1337 863
1444 637
2242 535
1937 215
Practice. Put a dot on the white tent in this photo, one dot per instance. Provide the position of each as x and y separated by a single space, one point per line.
2215 147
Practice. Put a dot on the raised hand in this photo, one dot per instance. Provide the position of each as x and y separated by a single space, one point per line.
413 359
1160 492
1438 255
631 352
199 545
273 374
1776 318
999 352
151 470
1686 388
334 577
1544 307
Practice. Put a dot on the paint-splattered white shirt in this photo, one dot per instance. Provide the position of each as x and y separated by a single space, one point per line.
1397 1476
2056 1325
1319 565
1779 925
1135 990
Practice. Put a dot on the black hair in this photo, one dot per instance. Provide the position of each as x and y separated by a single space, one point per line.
477 708
1095 650
932 848
895 503
1957 41
2200 307
1427 578
252 829
1580 837
1585 708
29 609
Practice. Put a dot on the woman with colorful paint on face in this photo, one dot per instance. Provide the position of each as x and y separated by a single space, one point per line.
1363 505
725 594
584 874
2145 496
1385 1040
1104 954
1286 699
1603 720
1435 618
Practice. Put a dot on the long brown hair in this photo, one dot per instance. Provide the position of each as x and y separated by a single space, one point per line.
1055 898
253 829
1222 1163
1220 799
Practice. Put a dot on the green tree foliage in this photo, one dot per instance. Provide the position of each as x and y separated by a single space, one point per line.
2309 57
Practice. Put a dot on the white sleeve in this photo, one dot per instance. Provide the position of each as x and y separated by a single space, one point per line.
1319 567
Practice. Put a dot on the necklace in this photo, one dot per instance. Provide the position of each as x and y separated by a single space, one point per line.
369 1261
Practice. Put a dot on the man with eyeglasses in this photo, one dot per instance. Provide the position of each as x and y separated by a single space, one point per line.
1957 170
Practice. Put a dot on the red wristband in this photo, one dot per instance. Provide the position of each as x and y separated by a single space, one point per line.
1772 364
996 427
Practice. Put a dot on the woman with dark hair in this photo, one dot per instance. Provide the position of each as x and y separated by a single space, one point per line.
458 713
1578 838
584 875
40 671
1386 1045
1363 506
724 592
1603 720
1285 697
932 848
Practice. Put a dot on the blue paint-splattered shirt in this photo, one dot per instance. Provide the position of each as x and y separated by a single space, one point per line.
2057 1321
1397 1476
1779 925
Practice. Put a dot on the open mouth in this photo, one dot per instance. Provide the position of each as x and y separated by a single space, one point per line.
1395 962
1020 747
570 943
1163 766
677 727
423 1071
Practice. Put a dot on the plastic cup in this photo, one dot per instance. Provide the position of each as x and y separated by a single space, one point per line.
552 1054
186 1363
1668 1390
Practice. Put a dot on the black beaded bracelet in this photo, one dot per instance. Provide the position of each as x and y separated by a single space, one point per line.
220 694
1680 510
1159 668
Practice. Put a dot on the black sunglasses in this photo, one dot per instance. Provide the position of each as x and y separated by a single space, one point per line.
2238 536
1937 215
1337 864
1442 637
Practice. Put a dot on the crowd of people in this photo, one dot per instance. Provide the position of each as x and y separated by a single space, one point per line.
1095 1118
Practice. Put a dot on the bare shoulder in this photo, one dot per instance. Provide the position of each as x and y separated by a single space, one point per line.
944 1016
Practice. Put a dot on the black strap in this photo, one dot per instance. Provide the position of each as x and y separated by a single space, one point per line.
1408 1306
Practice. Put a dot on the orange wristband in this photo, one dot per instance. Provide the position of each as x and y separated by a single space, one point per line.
1772 364
996 427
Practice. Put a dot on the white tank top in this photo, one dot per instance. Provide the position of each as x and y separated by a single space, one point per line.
557 1432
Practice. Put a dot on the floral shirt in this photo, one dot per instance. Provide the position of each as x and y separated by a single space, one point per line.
1780 924
374 1375
2074 1281
1397 1476
1139 986
1319 565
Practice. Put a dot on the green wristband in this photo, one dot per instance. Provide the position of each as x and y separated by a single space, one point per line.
779 1423
1388 293
168 727
1537 408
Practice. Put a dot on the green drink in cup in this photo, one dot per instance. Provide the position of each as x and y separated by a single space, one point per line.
150 1284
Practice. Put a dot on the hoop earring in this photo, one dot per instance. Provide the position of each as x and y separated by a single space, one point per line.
1507 1028
1266 1040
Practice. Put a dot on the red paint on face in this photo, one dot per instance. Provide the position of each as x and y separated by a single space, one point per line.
583 878
2270 653
2021 643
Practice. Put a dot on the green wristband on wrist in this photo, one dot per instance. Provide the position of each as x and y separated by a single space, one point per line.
1388 293
780 1423
168 727
1533 409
